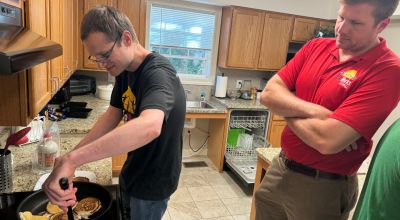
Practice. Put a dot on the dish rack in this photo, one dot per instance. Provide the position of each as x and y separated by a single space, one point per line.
240 157
248 122
245 154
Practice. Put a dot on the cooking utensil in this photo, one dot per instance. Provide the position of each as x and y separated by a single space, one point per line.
21 141
6 183
64 185
14 138
37 201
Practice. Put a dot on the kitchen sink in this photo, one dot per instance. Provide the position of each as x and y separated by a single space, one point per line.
198 104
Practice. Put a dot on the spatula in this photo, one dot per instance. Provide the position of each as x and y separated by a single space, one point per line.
64 185
14 138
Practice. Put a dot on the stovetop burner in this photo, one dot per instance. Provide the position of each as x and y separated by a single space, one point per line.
10 201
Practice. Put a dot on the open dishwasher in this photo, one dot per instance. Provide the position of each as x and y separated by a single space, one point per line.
246 132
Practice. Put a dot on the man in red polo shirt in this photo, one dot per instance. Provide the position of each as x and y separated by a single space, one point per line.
334 94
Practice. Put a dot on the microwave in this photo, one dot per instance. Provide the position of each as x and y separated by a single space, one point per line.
82 84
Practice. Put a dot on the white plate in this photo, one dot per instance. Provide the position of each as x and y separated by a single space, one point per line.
88 174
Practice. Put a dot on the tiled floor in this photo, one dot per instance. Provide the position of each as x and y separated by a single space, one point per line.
204 193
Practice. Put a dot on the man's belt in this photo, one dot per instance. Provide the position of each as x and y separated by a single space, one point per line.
309 171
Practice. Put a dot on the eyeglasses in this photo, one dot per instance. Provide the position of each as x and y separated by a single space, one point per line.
103 58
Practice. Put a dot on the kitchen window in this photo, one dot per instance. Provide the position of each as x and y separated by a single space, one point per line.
187 35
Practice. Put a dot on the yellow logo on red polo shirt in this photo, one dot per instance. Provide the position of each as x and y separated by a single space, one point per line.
347 78
350 74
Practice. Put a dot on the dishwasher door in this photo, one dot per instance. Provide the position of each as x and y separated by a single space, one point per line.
246 131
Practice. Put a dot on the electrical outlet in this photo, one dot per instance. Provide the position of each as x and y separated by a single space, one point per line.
239 84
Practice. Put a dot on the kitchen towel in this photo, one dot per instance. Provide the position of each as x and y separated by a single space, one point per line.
220 86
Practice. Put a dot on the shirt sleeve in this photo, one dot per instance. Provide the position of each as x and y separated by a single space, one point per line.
369 105
159 91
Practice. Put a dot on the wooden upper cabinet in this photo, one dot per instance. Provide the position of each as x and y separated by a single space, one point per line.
136 14
39 85
304 29
70 37
134 9
326 24
274 43
240 37
56 35
88 4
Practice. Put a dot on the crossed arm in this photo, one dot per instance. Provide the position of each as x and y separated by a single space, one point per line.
309 121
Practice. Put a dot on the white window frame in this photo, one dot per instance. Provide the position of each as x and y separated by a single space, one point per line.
217 11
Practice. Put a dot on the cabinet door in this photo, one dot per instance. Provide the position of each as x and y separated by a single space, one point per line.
38 77
303 29
14 106
131 8
275 132
56 35
117 164
69 38
245 38
88 4
326 24
274 43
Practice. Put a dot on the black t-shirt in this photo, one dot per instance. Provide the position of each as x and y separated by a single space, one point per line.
152 172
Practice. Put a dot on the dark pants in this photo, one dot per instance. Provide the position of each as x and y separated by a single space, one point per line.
138 209
285 194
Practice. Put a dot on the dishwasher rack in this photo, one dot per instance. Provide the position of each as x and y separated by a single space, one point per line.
243 159
248 122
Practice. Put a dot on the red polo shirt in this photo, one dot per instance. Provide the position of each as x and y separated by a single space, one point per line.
361 92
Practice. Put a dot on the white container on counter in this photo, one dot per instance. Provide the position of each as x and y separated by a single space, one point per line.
104 91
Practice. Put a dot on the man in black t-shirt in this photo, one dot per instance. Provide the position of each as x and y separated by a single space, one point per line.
149 97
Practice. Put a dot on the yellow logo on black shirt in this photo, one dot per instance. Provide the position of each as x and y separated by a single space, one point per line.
129 100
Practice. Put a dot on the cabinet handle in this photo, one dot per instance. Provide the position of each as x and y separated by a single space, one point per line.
66 69
57 82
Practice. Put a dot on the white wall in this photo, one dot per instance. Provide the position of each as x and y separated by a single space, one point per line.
397 12
311 8
391 34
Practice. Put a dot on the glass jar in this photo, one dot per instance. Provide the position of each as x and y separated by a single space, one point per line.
48 148
47 151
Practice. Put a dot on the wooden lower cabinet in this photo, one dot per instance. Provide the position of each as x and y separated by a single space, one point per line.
276 126
117 163
217 128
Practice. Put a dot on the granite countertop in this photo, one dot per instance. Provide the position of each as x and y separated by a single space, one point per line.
83 126
239 103
73 129
99 106
267 154
25 177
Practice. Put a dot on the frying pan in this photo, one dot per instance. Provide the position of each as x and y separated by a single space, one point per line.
37 201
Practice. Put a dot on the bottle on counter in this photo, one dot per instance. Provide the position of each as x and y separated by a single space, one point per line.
253 92
48 147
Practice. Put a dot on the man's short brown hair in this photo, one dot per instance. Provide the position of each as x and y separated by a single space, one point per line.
108 20
383 8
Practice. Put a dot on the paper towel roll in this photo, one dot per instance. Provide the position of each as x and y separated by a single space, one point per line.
220 86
